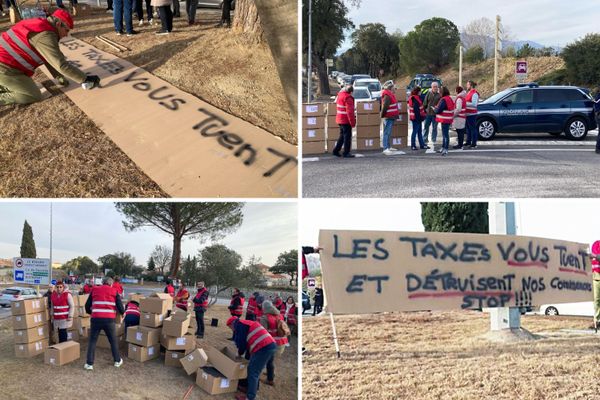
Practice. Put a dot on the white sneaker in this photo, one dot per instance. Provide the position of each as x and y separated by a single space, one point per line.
88 367
141 23
119 363
388 152
150 21
392 149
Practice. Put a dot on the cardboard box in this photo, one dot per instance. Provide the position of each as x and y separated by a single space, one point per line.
194 360
29 320
141 354
180 315
173 358
368 144
151 320
213 382
400 142
400 130
368 107
331 124
143 336
82 10
27 350
331 145
31 335
84 332
72 334
28 306
185 342
227 362
135 297
82 322
331 109
176 328
103 342
403 119
154 305
313 135
368 132
313 147
80 299
62 353
313 109
368 120
313 122
81 312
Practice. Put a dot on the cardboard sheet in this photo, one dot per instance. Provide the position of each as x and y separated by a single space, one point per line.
187 146
371 271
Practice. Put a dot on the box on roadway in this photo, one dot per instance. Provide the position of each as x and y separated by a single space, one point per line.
368 107
213 382
29 320
313 122
368 144
103 342
151 320
72 334
31 335
186 342
368 132
62 353
332 124
173 357
28 306
227 362
313 135
141 354
27 350
143 335
194 360
155 305
175 328
368 120
331 109
400 142
313 147
313 109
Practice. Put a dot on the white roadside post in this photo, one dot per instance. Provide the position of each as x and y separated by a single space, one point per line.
309 69
335 340
502 221
460 64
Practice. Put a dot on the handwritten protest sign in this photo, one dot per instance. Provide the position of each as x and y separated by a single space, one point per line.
370 271
187 146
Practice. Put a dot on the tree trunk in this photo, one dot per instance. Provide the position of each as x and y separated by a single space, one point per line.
177 235
323 78
246 19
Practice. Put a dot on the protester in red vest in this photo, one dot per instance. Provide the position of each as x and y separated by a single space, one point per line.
252 339
269 322
170 289
445 116
346 119
117 285
460 115
236 305
389 114
62 310
181 298
103 304
87 288
132 314
290 312
416 115
29 44
472 99
279 304
252 307
200 307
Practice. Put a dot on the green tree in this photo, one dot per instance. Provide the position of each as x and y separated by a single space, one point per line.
430 46
581 60
189 270
250 274
329 21
198 220
455 217
287 263
151 264
219 267
81 265
352 61
120 263
474 55
377 45
27 242
526 51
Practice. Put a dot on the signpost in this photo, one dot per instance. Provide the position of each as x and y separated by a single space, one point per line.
31 271
329 62
521 71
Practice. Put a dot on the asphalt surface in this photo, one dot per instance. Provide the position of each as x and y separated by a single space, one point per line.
512 165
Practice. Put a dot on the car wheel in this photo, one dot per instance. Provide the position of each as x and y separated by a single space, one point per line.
551 311
576 129
555 133
486 129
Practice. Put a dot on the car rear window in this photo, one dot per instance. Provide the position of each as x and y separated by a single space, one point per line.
11 291
574 95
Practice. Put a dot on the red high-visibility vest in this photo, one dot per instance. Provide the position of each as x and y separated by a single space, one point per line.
60 305
447 115
411 111
251 309
463 110
132 309
240 308
470 109
258 337
199 294
119 288
345 109
272 322
104 300
183 295
87 288
392 111
170 290
291 317
15 49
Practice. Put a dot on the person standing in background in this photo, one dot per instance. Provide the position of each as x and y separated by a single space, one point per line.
163 8
200 307
225 15
416 114
190 10
346 119
445 116
62 311
431 100
389 114
460 114
472 100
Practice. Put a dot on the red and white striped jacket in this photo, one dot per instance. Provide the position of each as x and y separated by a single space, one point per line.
258 337
272 329
60 305
104 302
15 49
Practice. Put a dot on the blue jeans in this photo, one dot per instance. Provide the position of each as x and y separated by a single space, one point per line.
417 131
445 136
472 131
430 120
122 8
258 362
108 326
388 124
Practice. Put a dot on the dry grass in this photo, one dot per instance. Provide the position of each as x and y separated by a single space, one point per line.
52 149
30 378
444 355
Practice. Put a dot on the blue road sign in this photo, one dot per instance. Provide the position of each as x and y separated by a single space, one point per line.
19 275
53 281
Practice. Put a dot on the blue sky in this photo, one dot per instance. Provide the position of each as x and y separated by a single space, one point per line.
548 22
95 229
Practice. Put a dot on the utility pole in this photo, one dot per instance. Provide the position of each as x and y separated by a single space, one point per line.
496 53
309 69
50 272
460 62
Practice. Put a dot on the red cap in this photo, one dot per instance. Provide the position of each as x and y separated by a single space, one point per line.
64 16
231 320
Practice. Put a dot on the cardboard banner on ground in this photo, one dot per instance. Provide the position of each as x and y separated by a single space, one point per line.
187 146
370 271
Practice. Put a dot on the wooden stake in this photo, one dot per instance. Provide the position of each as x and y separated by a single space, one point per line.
103 40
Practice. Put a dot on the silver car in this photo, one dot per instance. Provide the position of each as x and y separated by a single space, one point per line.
17 293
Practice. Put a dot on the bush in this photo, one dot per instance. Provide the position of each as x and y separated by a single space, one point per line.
581 60
557 77
474 55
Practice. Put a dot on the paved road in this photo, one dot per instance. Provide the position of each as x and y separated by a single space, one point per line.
523 165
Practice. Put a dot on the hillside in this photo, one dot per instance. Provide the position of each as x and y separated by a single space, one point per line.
483 73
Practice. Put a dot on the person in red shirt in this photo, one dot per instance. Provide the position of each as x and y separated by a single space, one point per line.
170 289
181 298
62 310
117 285
346 120
87 288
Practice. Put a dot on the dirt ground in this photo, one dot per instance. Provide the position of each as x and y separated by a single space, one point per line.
23 379
51 149
444 355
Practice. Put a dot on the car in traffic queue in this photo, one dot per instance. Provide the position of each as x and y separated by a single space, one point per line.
359 76
373 85
16 293
534 108
361 94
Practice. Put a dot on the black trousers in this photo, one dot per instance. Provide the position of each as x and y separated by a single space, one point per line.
598 138
176 10
108 326
166 18
62 335
460 133
109 5
199 322
345 139
226 15
139 9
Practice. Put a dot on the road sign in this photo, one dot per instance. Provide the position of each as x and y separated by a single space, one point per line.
329 62
53 281
31 271
521 70
311 283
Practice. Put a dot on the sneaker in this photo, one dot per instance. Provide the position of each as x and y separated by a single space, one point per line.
88 367
457 147
132 33
119 363
425 148
162 33
336 154
392 149
119 33
109 11
473 146
141 23
348 156
388 152
414 148
444 152
150 21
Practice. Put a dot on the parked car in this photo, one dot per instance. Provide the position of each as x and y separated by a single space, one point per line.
424 81
334 74
210 4
17 293
584 308
359 76
346 80
373 85
340 78
305 302
361 94
533 108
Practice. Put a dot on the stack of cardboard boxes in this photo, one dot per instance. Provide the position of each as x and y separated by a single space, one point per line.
400 129
313 128
30 325
82 321
368 124
144 339
175 337
333 129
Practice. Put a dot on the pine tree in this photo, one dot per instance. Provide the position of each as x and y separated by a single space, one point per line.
27 242
455 217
